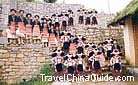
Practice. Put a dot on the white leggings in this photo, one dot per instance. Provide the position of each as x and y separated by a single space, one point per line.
19 34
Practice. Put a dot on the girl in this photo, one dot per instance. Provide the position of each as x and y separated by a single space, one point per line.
57 24
57 61
29 24
87 20
81 16
80 63
94 17
36 26
115 61
96 60
70 63
64 21
65 40
108 48
71 20
80 45
20 32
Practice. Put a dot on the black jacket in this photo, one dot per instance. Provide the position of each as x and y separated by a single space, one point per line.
12 18
23 19
29 22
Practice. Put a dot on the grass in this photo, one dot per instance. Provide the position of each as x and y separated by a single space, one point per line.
3 83
46 69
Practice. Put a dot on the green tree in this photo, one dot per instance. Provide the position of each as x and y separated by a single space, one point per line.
30 0
50 1
27 0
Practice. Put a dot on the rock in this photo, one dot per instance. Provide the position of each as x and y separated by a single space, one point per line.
20 55
41 59
3 51
18 63
6 55
12 59
13 55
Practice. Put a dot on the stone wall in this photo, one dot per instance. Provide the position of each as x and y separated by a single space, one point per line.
42 8
18 63
6 6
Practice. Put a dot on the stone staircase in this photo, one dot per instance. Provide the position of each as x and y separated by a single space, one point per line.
92 34
98 35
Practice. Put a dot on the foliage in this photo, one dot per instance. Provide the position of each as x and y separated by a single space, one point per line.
27 0
30 0
50 1
129 10
3 83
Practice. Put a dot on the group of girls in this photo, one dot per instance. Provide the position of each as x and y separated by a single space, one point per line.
22 25
75 56
87 17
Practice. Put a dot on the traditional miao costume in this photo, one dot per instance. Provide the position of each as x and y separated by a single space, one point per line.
80 46
80 63
20 32
64 22
71 20
115 61
96 60
70 63
94 18
29 24
57 24
57 61
11 32
81 18
66 43
88 19
108 47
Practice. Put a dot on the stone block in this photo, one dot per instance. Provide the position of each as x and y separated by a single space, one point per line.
11 73
18 63
13 55
5 55
3 51
20 55
8 70
12 59
41 59
5 59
